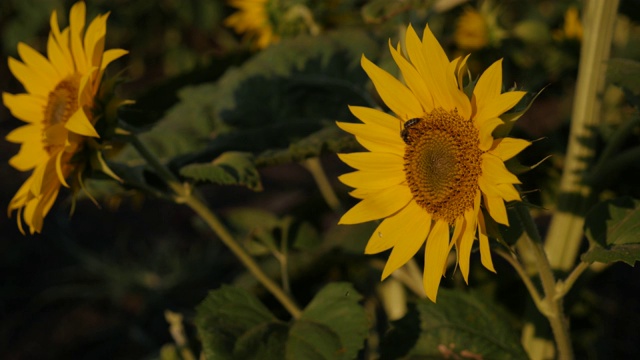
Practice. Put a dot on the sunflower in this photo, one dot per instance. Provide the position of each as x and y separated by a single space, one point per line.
440 177
472 32
252 19
58 109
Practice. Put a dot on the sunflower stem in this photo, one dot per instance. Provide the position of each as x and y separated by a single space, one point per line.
185 195
315 168
565 286
565 232
535 295
216 225
551 306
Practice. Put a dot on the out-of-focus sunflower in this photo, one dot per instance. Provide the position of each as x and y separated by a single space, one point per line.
265 22
252 19
476 29
439 178
58 109
572 27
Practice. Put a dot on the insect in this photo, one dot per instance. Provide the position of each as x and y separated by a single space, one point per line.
404 133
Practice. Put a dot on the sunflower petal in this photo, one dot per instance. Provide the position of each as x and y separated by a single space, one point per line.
493 170
376 117
94 40
378 206
372 132
26 107
387 235
414 81
31 154
40 66
373 179
79 123
76 27
28 78
496 208
466 243
499 105
62 39
24 134
109 56
373 161
435 257
396 95
506 148
489 85
392 147
485 131
485 249
410 242
58 59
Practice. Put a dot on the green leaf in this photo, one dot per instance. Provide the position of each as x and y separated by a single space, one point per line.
612 227
229 314
625 73
265 341
462 323
313 341
336 307
230 168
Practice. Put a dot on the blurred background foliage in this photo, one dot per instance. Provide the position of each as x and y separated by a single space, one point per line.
96 285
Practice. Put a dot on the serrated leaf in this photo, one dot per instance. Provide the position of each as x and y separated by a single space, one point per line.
625 73
224 316
313 341
612 227
336 306
461 322
230 168
263 342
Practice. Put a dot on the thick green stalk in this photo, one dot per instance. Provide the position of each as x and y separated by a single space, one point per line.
565 232
551 305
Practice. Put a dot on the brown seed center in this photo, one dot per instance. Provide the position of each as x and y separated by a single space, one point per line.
442 163
61 105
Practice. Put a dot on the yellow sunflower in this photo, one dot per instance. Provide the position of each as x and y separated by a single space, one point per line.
437 178
58 109
252 19
472 32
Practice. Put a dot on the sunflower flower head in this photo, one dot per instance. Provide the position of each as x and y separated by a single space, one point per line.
58 109
442 177
477 29
265 22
